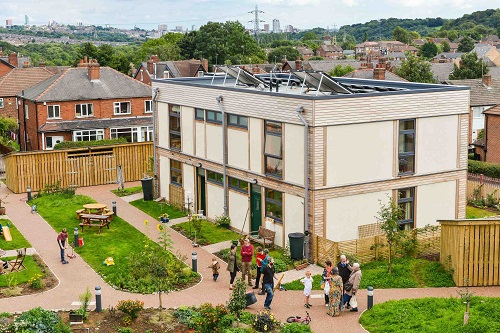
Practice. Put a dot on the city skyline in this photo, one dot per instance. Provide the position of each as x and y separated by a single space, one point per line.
304 14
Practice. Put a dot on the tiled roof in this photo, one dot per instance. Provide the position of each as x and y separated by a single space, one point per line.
328 65
449 55
441 71
6 63
480 95
305 51
493 110
73 84
331 48
495 72
72 125
479 142
20 79
367 73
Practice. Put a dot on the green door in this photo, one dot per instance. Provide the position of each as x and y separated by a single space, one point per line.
201 191
255 207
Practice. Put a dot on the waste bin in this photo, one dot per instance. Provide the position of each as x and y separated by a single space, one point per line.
147 188
250 297
296 245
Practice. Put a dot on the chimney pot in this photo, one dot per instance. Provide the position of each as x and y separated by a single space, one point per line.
94 71
487 80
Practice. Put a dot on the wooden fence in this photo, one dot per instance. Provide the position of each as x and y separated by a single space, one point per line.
372 248
485 185
471 250
76 167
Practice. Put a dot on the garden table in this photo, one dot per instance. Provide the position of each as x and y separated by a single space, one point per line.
94 208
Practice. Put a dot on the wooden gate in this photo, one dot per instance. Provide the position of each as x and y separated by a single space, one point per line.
91 168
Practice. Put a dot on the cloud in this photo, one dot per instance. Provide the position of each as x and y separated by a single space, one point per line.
350 3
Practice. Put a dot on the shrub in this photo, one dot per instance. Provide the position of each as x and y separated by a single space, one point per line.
237 302
36 282
296 328
487 169
36 320
79 144
237 330
210 316
265 322
223 221
131 308
185 315
247 317
84 301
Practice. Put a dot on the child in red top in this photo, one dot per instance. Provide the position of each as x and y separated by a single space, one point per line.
259 257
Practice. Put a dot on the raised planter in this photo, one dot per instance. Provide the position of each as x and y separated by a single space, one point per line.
75 318
301 266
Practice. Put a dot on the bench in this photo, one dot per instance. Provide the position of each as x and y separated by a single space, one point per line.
90 219
263 236
79 212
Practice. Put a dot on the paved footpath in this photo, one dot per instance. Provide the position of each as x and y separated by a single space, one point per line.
75 277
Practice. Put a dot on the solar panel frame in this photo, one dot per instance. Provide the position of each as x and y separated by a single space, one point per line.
242 76
322 82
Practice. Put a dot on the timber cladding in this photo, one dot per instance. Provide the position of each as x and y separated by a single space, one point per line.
471 250
76 167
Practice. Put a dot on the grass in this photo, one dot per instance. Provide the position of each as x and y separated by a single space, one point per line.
210 232
118 242
18 240
406 273
155 209
23 276
429 315
127 191
478 213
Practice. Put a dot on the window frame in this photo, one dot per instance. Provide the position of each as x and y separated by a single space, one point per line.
402 202
1 103
238 122
403 156
269 133
80 133
238 187
175 169
215 177
150 102
197 111
117 106
171 131
273 201
215 120
87 106
53 107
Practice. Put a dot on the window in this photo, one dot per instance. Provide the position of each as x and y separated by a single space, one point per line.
88 135
199 114
406 147
238 185
122 107
274 204
1 103
406 203
166 74
176 172
237 121
175 127
84 110
26 114
148 106
214 117
273 148
215 177
54 111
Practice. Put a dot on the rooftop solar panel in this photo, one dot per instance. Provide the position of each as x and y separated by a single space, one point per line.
322 82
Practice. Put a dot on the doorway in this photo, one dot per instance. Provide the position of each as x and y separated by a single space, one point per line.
201 195
255 207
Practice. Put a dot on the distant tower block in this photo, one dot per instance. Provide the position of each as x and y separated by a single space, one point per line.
26 20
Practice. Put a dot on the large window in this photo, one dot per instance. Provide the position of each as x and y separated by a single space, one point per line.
237 121
238 185
215 177
122 107
88 135
148 106
406 203
274 205
54 111
214 117
84 110
273 149
175 127
176 172
199 114
406 146
133 134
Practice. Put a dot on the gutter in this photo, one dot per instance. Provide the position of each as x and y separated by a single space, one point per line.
300 110
224 151
155 169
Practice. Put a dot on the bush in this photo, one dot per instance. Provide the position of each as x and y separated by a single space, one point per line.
36 320
186 315
238 302
210 316
36 282
487 169
237 330
296 328
80 144
265 322
131 308
223 221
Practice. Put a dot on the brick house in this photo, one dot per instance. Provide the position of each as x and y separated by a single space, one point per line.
5 67
305 52
329 51
82 104
490 151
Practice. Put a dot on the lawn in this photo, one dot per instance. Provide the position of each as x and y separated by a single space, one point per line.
18 240
127 191
20 277
406 273
429 315
210 233
155 209
120 241
478 213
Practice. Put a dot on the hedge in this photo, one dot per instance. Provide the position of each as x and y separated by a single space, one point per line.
488 169
79 144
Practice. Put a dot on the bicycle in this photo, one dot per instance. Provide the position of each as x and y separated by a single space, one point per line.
297 319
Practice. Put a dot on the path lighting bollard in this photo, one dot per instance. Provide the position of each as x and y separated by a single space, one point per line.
29 193
75 232
114 208
195 261
98 303
370 297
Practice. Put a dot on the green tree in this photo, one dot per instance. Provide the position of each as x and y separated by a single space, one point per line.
400 34
388 216
309 36
237 302
87 49
445 46
466 44
428 50
104 54
340 70
365 36
166 47
471 67
415 69
276 55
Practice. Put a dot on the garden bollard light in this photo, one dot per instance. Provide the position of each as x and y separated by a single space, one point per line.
75 232
370 297
114 208
29 193
98 303
194 261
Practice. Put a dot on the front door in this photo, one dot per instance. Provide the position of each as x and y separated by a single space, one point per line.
255 207
201 191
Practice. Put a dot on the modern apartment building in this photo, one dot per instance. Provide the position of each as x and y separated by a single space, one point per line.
321 156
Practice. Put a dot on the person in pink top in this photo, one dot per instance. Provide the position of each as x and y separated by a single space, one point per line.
246 260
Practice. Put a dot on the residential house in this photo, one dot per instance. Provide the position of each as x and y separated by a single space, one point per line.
488 148
154 68
489 54
16 61
86 103
320 159
367 48
330 51
453 57
490 39
305 52
5 67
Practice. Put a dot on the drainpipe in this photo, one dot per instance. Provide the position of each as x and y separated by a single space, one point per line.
300 110
224 152
155 171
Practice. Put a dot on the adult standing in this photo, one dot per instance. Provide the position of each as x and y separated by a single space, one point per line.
352 285
325 277
246 252
61 241
335 294
344 268
232 265
258 259
268 282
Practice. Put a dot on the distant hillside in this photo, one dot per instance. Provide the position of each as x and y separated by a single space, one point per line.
490 18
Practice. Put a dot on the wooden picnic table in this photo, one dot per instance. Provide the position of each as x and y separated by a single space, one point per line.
95 220
94 208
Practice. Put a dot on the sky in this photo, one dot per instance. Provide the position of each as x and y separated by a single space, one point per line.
302 14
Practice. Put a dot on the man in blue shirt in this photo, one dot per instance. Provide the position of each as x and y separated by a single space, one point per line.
268 283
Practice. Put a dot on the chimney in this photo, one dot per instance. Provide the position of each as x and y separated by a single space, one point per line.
487 80
298 64
369 65
83 62
255 69
94 70
13 59
379 73
155 59
204 62
41 64
150 65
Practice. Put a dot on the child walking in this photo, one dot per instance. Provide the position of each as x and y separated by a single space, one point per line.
307 282
215 268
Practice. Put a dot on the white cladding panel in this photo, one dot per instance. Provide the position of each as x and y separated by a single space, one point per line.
237 148
214 142
188 174
278 239
359 153
200 139
162 121
187 130
293 142
255 126
294 214
238 206
164 176
345 214
435 202
215 201
437 144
